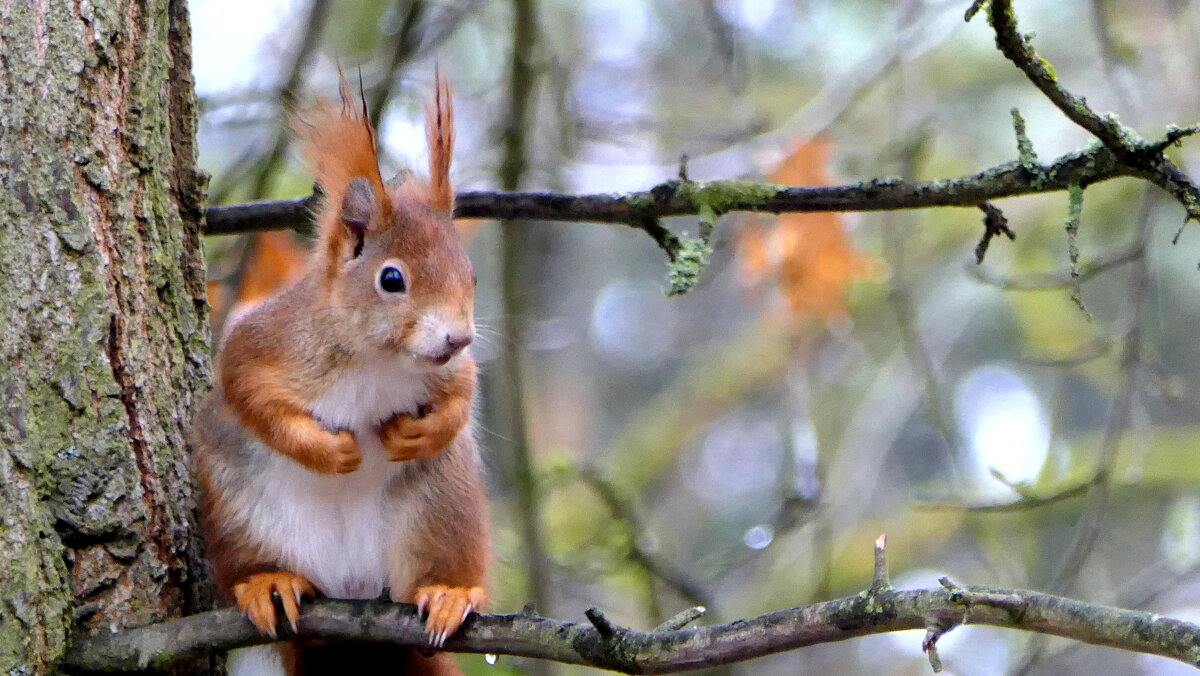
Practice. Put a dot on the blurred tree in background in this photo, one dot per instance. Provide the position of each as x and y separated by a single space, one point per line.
832 376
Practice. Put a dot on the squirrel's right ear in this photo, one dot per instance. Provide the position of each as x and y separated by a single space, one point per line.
439 134
355 213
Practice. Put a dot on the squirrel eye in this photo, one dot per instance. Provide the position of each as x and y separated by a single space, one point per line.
391 280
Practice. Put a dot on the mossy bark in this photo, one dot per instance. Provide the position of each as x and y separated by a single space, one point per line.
104 337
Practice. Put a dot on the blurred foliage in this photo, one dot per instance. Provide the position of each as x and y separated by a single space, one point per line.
831 376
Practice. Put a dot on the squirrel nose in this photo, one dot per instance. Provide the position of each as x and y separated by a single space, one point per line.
456 342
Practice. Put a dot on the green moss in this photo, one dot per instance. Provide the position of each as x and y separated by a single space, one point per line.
714 198
1049 68
639 200
690 260
1026 155
709 201
1074 211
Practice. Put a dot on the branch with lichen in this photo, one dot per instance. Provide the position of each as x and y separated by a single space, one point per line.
709 200
668 648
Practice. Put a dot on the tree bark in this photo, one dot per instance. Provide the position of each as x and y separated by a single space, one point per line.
105 336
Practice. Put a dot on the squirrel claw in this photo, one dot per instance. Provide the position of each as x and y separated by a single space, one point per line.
412 437
448 608
255 596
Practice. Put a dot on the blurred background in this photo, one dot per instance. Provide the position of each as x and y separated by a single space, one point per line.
833 376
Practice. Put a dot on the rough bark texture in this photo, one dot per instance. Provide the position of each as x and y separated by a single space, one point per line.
104 343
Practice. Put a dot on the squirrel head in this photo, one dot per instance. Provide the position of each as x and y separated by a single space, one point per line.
389 263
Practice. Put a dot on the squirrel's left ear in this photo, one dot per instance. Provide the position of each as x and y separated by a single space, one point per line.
439 133
355 213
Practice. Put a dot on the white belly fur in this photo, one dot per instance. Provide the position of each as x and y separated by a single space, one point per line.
260 660
339 530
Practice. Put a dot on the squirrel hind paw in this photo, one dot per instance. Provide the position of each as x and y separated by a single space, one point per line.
255 596
446 608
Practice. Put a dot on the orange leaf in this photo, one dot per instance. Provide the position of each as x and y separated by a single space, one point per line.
807 254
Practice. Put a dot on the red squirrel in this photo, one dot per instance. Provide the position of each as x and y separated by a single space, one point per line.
335 455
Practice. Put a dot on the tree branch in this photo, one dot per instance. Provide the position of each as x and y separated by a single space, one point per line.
601 643
674 198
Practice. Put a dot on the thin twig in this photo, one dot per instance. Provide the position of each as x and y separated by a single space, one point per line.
620 508
1088 528
263 166
880 580
898 236
1059 279
1025 501
682 619
994 225
407 40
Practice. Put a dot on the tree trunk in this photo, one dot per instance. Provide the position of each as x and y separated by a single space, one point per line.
105 340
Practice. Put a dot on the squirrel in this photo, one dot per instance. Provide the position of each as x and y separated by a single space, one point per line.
335 453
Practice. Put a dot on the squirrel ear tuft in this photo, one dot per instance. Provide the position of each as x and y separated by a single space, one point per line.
358 204
339 145
439 133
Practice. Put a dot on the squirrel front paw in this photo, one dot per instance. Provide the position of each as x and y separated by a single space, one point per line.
447 608
408 437
255 597
327 452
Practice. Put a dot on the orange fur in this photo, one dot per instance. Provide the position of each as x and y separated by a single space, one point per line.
271 409
255 597
412 437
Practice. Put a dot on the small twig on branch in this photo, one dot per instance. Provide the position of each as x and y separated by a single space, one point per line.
880 582
994 225
681 619
603 644
602 624
933 632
